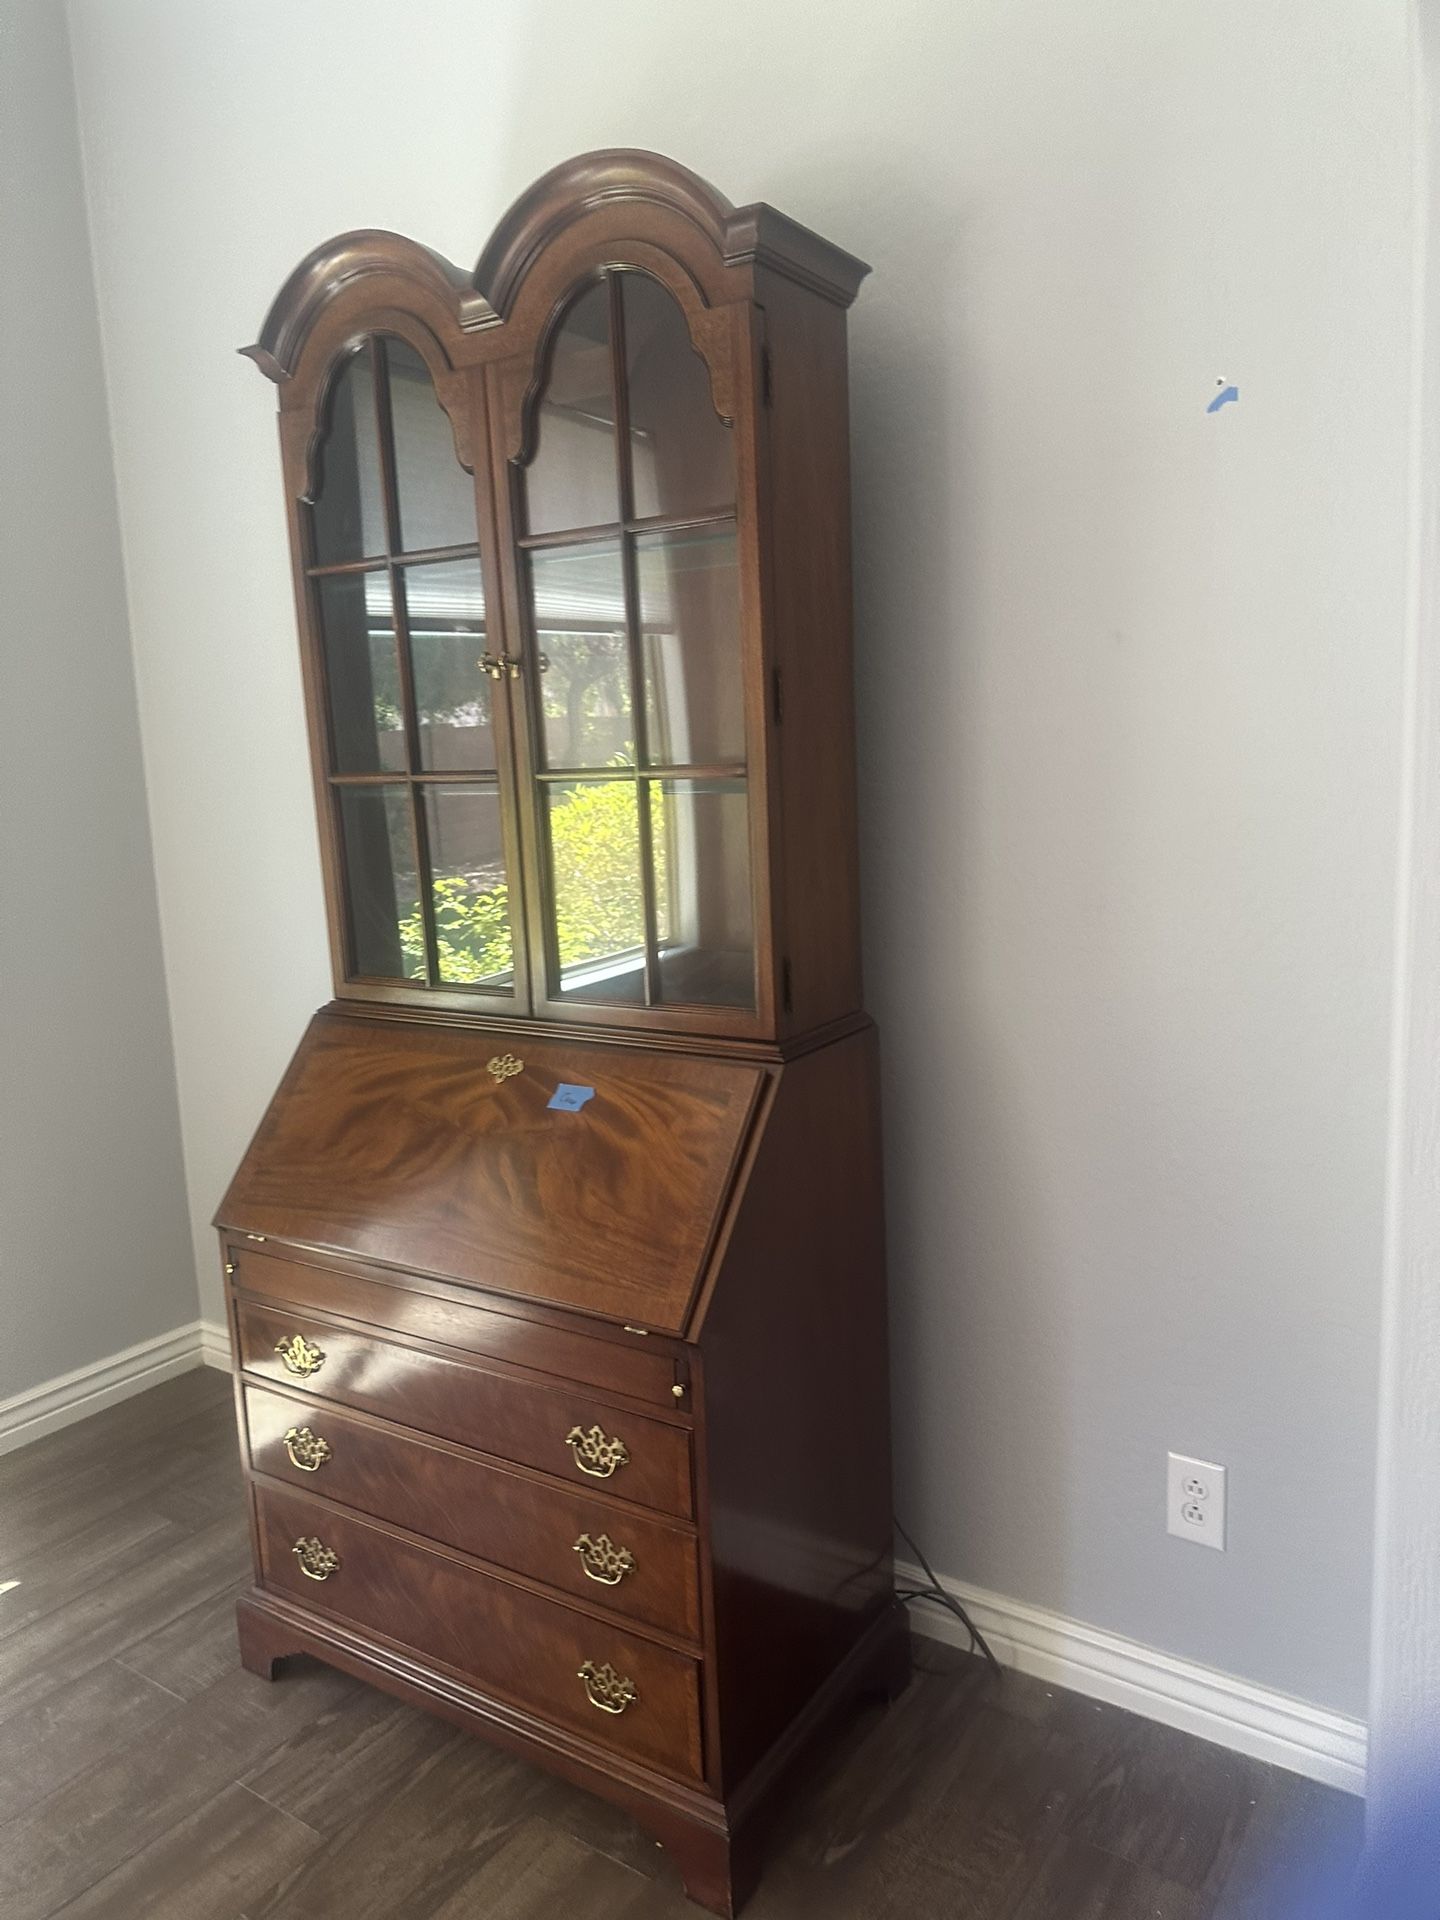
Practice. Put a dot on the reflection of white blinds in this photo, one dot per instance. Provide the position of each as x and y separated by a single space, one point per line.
455 600
591 593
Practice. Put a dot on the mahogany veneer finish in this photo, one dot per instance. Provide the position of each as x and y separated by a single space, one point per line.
449 1298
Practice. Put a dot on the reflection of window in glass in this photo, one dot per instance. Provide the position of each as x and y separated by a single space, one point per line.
445 616
578 611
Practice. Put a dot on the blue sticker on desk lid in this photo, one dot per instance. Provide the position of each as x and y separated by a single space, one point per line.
568 1099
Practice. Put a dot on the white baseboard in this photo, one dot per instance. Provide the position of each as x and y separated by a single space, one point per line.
1216 1706
58 1403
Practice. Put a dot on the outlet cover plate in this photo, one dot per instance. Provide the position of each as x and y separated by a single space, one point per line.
1195 1501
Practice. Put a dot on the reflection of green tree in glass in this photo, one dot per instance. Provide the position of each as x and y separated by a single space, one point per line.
472 931
448 688
594 852
599 907
585 685
384 683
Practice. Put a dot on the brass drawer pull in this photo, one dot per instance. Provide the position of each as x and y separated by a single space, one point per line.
606 1689
596 1455
300 1356
307 1450
603 1560
317 1561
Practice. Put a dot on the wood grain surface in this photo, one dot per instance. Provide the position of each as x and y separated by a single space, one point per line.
395 1143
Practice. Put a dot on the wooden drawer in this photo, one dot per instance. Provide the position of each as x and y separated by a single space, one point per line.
507 1642
498 1413
640 1567
430 1312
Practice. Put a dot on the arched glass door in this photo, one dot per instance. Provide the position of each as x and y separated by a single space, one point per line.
626 523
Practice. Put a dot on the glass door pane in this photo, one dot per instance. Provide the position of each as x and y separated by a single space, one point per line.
571 481
597 890
434 493
417 801
382 905
700 841
689 588
445 619
630 574
577 608
466 846
682 458
348 515
362 673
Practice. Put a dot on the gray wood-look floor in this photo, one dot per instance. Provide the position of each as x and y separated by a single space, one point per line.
142 1773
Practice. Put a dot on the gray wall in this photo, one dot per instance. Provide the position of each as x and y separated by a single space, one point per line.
1130 677
94 1255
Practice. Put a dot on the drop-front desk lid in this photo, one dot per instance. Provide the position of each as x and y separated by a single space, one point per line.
579 1174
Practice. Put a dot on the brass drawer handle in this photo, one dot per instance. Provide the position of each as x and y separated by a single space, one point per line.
317 1561
300 1356
596 1455
606 1689
307 1450
603 1560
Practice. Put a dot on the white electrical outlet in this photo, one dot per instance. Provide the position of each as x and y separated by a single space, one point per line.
1195 1501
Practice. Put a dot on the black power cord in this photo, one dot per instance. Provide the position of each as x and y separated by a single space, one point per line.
937 1594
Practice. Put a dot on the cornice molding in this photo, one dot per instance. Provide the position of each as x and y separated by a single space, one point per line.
740 235
335 265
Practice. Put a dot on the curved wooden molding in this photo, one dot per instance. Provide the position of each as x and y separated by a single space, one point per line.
741 236
336 264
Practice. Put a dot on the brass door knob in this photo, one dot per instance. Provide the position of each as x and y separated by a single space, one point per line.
606 1689
602 1560
595 1454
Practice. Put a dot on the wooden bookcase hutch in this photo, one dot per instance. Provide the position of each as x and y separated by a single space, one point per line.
555 1268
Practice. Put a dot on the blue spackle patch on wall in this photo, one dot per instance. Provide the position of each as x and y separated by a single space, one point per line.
1226 393
568 1099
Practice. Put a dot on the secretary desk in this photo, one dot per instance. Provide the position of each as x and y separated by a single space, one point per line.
555 1268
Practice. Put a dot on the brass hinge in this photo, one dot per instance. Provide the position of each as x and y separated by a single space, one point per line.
787 997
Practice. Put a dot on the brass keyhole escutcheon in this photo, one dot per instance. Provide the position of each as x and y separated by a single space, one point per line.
503 1067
